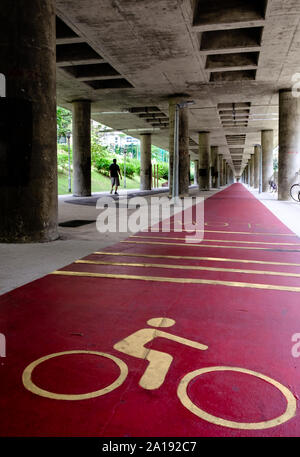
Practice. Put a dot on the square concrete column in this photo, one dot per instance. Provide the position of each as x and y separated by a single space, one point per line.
81 123
196 171
267 138
28 138
204 161
289 143
146 166
256 165
183 140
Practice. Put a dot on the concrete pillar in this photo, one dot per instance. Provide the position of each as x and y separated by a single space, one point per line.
28 156
267 158
219 161
81 122
214 166
256 166
146 166
196 171
183 147
221 170
289 143
204 160
252 171
184 156
249 172
224 172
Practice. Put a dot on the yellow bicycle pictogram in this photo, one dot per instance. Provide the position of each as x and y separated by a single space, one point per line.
156 371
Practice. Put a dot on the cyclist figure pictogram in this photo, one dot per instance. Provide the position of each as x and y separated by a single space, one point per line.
159 362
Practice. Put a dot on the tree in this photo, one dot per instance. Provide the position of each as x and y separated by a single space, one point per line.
64 121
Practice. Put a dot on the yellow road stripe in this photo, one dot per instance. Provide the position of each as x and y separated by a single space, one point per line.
180 257
189 267
204 245
214 241
178 280
244 233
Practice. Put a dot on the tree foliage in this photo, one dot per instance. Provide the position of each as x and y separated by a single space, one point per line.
64 121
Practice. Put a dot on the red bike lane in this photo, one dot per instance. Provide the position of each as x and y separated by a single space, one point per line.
237 293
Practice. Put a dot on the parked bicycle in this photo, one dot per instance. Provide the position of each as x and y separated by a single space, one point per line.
155 373
295 191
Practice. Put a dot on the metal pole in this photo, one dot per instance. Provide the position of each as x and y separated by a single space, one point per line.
260 170
125 152
69 159
175 160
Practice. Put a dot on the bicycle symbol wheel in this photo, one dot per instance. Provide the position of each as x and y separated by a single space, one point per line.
295 192
29 384
186 401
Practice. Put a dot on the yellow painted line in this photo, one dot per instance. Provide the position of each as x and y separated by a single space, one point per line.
204 245
180 257
177 280
215 241
188 267
243 233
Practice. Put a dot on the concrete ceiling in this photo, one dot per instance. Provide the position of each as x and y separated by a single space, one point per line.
229 56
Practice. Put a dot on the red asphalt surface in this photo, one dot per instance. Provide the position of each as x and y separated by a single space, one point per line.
245 327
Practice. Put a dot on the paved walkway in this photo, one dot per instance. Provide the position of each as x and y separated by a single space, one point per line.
157 336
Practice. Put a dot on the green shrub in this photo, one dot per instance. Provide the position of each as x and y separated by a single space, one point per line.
63 147
102 164
163 170
131 167
63 161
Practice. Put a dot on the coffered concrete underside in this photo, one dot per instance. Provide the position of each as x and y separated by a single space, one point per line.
229 56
